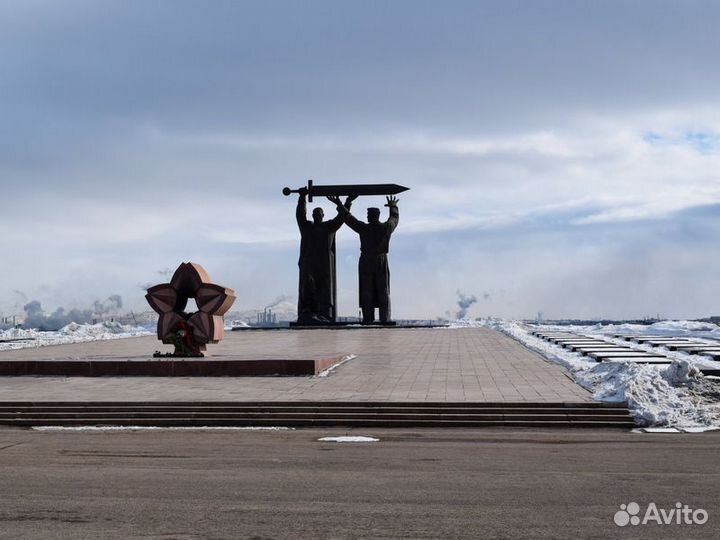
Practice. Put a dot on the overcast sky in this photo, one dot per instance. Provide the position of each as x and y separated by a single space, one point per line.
562 156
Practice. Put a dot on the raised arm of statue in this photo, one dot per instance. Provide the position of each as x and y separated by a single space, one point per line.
394 218
343 211
338 220
301 210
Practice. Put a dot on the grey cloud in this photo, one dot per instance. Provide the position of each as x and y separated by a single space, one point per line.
328 65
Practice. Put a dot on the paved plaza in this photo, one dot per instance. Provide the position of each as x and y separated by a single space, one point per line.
423 365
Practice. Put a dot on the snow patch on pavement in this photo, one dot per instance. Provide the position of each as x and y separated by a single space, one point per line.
348 438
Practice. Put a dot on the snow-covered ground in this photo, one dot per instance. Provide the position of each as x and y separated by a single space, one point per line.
19 338
675 395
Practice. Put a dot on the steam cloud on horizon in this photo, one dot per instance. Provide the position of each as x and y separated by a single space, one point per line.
464 302
278 300
35 317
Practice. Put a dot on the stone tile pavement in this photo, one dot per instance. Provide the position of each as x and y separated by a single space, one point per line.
415 365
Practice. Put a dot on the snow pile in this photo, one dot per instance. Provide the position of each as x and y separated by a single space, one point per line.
20 338
17 333
675 395
349 438
229 325
663 328
332 368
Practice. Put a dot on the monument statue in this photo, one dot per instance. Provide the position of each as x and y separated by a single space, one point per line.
373 269
317 297
190 332
317 294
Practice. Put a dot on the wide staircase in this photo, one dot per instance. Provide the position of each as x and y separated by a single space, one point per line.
316 414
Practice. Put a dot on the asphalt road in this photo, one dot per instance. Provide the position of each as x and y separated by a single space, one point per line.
470 484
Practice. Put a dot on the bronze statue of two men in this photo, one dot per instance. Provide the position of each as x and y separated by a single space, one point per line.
317 299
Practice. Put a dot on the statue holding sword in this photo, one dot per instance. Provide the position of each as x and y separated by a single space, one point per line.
373 269
317 291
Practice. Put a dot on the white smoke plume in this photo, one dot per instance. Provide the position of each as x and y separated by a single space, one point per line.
464 302
278 300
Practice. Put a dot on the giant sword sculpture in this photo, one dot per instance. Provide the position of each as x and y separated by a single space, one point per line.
340 190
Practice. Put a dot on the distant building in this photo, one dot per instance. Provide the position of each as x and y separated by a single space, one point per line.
267 319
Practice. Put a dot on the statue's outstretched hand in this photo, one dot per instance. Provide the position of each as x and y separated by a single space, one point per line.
350 199
392 201
335 200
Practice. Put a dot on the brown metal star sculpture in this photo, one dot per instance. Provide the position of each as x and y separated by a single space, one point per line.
190 332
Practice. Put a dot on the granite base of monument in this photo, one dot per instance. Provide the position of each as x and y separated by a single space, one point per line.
357 326
342 324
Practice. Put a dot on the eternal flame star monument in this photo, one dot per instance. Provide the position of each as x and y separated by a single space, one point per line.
190 332
317 290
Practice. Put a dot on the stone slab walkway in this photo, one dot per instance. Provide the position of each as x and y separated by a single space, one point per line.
423 365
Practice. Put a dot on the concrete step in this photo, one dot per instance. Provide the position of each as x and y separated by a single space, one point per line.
576 344
317 413
318 404
301 415
659 361
573 338
692 347
305 422
70 411
586 352
668 344
660 340
599 356
631 338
